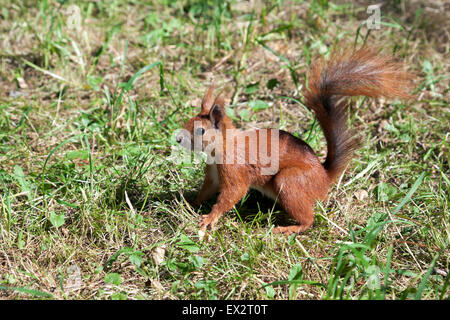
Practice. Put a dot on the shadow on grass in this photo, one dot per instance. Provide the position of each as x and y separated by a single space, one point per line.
253 208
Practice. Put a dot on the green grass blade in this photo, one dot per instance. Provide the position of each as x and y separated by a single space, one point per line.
410 193
32 292
425 278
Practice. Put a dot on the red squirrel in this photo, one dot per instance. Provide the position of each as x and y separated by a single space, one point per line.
299 179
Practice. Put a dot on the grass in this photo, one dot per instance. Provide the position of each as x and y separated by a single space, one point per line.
93 206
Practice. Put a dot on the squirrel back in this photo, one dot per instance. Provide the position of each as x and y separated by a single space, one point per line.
352 73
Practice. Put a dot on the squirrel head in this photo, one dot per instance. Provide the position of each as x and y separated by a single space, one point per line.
210 121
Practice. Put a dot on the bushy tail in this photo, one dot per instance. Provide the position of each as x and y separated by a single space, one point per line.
353 73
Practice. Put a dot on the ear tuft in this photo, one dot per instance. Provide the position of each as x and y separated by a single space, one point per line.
216 116
208 98
220 99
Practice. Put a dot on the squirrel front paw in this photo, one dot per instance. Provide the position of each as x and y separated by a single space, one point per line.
208 220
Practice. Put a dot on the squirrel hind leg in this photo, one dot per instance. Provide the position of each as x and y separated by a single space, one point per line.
288 230
306 222
293 195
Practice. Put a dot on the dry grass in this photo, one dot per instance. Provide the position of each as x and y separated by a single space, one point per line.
73 150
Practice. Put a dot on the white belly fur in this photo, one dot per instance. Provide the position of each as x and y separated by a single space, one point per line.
214 175
266 192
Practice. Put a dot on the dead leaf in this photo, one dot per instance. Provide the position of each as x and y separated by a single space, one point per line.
383 125
203 235
361 195
157 285
74 281
158 255
21 82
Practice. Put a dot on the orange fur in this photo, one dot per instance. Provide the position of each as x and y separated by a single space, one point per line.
301 178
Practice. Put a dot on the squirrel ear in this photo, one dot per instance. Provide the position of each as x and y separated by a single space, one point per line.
208 99
216 116
220 99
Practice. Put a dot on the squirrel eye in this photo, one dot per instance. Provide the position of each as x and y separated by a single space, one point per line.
200 131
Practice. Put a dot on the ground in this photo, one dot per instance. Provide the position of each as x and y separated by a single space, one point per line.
95 205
